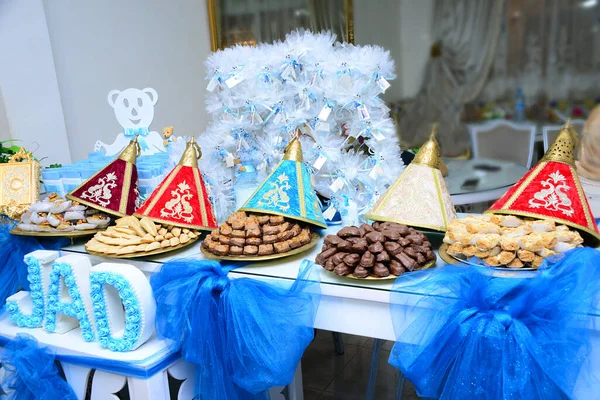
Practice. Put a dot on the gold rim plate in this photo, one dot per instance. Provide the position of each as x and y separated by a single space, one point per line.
390 277
143 253
313 242
71 234
443 251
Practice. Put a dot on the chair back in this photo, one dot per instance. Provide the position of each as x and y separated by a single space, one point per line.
504 140
550 132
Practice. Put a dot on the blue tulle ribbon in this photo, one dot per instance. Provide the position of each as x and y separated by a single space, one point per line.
13 271
31 373
478 336
245 336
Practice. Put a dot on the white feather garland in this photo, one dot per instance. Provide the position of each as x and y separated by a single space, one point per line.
260 97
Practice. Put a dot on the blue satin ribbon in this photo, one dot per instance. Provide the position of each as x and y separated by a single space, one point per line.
480 336
130 134
244 335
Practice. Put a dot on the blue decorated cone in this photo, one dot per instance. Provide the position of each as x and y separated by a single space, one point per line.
287 191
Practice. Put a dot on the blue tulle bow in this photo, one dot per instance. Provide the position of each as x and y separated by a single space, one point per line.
31 373
13 271
244 335
478 336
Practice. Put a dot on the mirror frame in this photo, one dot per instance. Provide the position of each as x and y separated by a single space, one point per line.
215 37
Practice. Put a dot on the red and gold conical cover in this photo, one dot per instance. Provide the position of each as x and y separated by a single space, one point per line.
551 190
181 198
114 189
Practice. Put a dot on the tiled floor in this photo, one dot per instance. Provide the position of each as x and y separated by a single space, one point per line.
327 375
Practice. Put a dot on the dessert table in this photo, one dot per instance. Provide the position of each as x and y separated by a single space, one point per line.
494 179
348 306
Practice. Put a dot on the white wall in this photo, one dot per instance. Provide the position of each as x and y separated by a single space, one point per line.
378 22
415 37
4 128
32 108
100 45
404 28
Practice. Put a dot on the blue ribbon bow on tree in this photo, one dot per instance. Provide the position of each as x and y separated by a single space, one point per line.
477 336
244 336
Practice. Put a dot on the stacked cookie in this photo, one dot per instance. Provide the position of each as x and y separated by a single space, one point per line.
131 235
250 234
56 214
509 241
380 250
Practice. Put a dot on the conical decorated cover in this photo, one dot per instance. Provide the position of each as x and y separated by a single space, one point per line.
114 189
287 190
419 196
552 190
181 198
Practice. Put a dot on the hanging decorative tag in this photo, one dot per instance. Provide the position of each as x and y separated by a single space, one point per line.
244 144
255 118
322 126
288 71
325 111
383 84
363 113
376 172
337 185
235 79
320 162
212 84
229 160
329 213
377 135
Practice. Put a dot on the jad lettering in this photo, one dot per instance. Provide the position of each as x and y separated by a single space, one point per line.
68 292
553 197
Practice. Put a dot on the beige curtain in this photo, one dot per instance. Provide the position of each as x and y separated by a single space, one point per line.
465 34
549 48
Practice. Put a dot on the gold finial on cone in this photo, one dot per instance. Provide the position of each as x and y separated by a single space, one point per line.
293 151
191 154
131 152
562 149
429 153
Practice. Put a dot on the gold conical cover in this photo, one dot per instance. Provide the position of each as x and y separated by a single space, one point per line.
191 154
293 151
561 149
131 152
429 153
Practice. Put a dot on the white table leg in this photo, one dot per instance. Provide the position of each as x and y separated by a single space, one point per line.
77 376
153 388
296 390
106 384
184 371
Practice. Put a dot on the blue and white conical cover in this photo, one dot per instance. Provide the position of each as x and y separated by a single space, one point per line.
287 191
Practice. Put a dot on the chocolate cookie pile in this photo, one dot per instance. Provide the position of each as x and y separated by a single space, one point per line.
379 250
256 235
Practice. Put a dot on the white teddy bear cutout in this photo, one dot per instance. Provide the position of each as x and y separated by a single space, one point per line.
134 110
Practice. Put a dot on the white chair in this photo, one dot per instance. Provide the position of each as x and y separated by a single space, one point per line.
503 140
550 132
